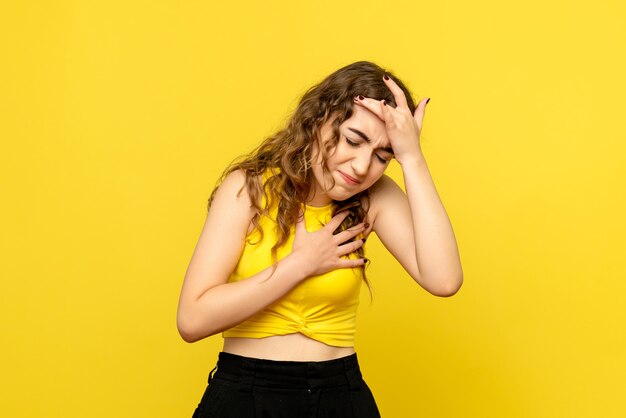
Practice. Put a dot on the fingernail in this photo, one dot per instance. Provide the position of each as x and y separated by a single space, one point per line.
384 102
363 240
386 77
361 97
428 100
366 226
366 260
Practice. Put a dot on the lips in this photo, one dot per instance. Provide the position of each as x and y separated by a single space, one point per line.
350 180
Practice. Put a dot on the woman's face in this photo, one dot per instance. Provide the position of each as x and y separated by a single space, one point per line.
357 161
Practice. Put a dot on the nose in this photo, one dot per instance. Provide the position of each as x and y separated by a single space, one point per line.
361 162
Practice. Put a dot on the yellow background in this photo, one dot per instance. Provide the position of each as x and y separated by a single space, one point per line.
117 118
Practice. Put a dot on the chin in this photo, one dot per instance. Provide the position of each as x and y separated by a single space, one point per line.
340 197
340 193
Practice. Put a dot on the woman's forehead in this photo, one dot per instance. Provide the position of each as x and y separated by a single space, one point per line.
365 117
362 120
366 122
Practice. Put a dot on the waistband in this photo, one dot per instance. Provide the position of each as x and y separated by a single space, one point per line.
249 372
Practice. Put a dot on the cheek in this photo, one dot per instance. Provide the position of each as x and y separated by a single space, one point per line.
318 173
334 156
379 170
376 175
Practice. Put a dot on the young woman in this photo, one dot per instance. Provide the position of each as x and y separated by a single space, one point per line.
279 263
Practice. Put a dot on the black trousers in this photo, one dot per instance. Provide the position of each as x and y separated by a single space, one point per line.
245 387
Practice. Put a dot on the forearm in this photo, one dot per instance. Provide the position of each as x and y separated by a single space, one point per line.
436 249
229 304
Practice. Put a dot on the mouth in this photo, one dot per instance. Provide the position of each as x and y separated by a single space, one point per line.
348 179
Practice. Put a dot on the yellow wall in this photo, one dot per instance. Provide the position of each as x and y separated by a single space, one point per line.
117 118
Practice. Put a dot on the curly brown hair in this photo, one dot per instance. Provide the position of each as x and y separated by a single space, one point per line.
288 153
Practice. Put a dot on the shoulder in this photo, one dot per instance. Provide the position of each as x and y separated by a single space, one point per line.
383 186
386 198
234 182
384 192
232 193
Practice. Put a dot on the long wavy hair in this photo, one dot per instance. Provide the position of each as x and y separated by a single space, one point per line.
288 152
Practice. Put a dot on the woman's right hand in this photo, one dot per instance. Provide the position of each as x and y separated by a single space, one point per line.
321 251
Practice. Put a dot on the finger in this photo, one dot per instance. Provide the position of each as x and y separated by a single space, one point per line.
348 234
419 112
372 105
337 220
398 94
387 116
351 262
350 247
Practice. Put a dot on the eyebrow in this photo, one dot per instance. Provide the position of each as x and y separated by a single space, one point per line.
362 135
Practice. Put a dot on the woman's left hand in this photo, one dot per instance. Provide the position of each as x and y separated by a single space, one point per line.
403 128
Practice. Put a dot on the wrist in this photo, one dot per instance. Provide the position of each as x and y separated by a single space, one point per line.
297 263
415 159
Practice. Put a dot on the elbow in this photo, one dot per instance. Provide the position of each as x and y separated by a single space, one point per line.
189 330
194 324
187 336
450 288
449 292
186 331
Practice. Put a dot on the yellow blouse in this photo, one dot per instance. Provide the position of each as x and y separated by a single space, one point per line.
322 307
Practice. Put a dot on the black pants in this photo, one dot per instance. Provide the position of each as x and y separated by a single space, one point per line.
245 387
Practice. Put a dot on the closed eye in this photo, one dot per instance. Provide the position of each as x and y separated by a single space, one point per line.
381 159
351 143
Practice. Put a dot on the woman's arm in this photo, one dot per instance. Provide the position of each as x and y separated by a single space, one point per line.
208 304
415 228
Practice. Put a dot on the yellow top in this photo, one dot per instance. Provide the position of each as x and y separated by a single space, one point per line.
322 307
